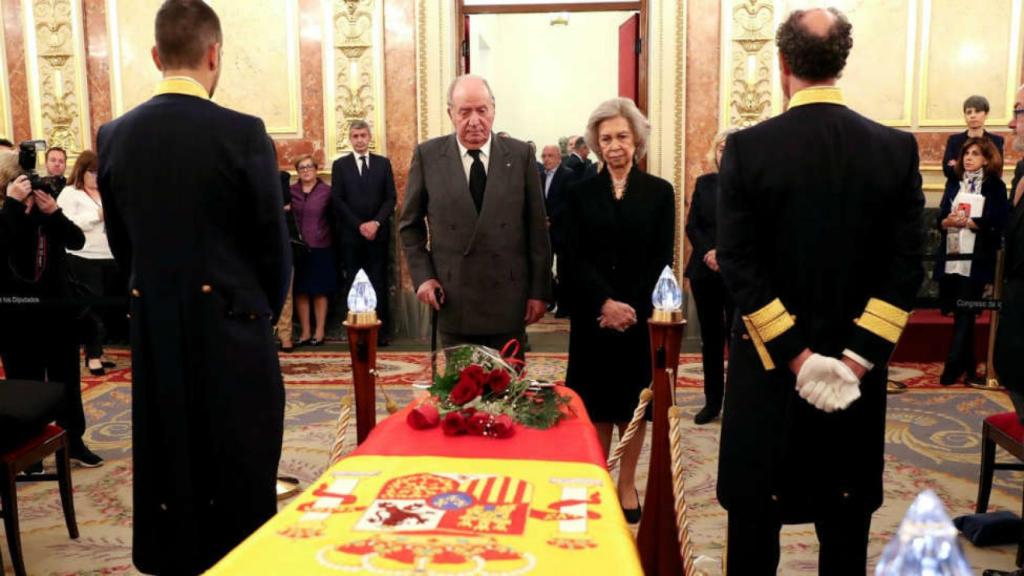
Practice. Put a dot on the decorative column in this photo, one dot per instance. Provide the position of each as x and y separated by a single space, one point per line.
657 536
55 63
748 62
353 70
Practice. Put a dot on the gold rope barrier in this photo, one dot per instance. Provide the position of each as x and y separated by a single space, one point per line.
638 416
675 416
342 430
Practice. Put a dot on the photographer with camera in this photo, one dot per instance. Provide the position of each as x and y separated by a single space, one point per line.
35 295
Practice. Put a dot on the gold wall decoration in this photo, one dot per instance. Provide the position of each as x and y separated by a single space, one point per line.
436 54
353 72
6 122
55 66
748 62
260 67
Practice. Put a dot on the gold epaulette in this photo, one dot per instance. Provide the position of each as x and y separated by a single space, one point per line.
883 320
765 325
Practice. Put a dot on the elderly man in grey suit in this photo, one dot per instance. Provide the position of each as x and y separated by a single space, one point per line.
487 266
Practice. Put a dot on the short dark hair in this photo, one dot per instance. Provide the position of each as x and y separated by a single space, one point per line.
994 168
977 102
184 30
579 144
56 149
358 125
86 162
814 57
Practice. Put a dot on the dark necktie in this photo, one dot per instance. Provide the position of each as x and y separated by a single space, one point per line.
477 179
365 172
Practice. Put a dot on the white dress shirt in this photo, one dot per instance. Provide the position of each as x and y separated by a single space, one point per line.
549 175
81 209
467 160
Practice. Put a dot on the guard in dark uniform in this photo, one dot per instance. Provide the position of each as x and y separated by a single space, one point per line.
819 243
192 204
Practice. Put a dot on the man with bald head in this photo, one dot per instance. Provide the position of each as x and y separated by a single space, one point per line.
487 265
819 244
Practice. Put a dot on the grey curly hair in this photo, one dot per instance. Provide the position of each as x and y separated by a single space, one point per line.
615 108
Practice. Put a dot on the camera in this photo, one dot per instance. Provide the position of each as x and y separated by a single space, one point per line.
27 154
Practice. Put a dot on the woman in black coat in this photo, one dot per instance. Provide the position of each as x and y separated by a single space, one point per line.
36 297
621 225
714 306
980 167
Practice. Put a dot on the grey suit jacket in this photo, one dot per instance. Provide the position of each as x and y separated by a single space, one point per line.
489 264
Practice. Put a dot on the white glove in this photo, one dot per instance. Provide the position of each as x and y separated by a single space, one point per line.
827 384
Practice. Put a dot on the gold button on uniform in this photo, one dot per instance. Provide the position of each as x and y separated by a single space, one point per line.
136 293
206 288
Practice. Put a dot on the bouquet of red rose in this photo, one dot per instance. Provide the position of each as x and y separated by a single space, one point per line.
480 394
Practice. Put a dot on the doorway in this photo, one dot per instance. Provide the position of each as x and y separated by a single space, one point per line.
551 63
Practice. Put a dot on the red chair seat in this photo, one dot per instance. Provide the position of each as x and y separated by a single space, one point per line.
51 431
1009 424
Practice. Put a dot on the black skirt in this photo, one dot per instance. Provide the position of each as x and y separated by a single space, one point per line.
608 369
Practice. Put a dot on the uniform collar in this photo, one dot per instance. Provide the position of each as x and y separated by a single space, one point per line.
182 85
817 95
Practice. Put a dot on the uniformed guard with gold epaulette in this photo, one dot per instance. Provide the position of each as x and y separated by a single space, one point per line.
819 242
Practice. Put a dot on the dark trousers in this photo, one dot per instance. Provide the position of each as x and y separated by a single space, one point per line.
961 359
372 257
52 359
714 312
92 279
753 544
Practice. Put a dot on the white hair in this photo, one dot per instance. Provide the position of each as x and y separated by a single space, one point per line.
619 108
458 79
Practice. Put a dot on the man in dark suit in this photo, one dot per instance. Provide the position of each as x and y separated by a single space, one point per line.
579 160
555 179
363 188
819 242
489 257
1009 347
192 205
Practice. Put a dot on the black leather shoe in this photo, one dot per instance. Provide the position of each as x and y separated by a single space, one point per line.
707 414
974 380
36 468
633 514
84 457
108 364
946 379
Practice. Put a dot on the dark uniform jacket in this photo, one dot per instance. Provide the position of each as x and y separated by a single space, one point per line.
193 209
702 225
488 263
1009 349
819 242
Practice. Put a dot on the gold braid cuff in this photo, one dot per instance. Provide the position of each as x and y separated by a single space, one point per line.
767 324
883 320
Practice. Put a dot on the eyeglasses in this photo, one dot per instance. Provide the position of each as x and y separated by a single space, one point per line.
1018 112
307 167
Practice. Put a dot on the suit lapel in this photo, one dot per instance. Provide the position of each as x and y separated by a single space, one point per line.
455 175
499 169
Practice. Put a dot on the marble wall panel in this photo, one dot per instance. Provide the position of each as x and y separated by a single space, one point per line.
97 63
399 83
14 51
5 99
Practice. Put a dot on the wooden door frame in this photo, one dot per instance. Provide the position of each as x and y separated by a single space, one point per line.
641 6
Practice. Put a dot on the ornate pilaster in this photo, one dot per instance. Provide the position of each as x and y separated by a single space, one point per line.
353 66
748 62
59 112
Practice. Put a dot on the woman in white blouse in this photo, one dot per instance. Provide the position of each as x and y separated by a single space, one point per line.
92 269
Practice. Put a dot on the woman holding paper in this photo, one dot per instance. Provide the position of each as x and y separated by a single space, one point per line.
971 219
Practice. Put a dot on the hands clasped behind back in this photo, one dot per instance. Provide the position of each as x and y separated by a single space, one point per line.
827 383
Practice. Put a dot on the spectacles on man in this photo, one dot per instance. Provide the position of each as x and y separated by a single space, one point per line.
307 167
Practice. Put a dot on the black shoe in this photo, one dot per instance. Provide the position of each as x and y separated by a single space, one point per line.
316 342
286 349
708 413
974 380
97 371
633 514
108 364
84 457
947 380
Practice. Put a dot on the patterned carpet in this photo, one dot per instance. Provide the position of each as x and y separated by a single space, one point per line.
932 442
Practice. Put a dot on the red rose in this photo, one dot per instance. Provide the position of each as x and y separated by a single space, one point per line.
502 427
477 424
463 392
473 372
423 417
498 380
453 424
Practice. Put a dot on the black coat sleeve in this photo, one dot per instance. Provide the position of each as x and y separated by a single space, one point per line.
339 198
878 329
387 208
697 228
590 286
114 223
952 150
740 254
62 231
271 248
